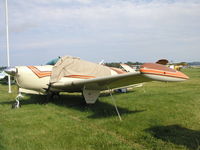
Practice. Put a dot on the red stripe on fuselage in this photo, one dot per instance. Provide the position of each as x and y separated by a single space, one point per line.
80 76
42 74
39 73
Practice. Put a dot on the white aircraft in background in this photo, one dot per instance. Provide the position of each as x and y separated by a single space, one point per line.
2 75
71 74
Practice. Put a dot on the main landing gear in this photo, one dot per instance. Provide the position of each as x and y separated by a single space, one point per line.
52 96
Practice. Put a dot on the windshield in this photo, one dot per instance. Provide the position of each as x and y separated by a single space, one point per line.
53 61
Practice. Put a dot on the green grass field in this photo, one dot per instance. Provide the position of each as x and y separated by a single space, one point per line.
156 116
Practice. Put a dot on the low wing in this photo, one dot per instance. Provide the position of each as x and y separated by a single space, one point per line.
147 72
101 83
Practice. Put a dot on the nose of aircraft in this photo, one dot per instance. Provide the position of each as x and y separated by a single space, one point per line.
11 71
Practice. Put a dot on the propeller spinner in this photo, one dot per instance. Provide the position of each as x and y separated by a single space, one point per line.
11 71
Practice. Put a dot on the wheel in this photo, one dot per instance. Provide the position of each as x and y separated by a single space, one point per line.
16 104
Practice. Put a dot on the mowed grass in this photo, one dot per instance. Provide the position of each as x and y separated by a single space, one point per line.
156 116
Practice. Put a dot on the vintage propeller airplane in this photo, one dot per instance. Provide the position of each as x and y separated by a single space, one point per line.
71 74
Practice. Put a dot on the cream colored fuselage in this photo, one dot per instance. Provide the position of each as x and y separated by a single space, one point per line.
35 79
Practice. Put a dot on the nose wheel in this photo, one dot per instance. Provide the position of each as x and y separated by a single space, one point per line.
16 104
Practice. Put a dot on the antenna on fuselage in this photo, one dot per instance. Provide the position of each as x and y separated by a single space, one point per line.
7 44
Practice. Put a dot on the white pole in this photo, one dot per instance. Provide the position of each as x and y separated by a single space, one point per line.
7 45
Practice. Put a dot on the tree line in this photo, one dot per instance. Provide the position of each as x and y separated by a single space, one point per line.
117 64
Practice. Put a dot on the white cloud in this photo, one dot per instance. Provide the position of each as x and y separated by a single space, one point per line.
140 15
148 27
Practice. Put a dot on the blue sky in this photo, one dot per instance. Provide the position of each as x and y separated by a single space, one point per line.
112 30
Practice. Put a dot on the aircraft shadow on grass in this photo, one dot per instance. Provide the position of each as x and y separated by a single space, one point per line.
99 109
177 135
